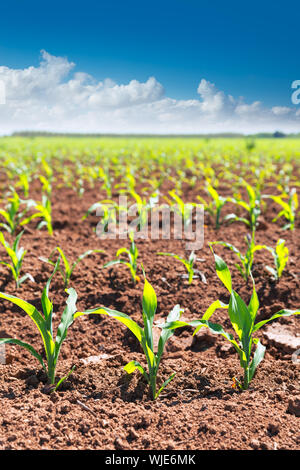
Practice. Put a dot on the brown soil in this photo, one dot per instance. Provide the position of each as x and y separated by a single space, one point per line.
100 407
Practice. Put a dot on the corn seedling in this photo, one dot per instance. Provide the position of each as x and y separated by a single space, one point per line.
44 324
108 210
46 185
13 213
24 181
47 180
214 206
188 264
107 181
246 260
242 318
132 254
16 255
253 207
44 212
289 208
280 255
142 207
68 269
144 336
185 211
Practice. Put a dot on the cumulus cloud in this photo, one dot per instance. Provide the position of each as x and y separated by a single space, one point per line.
55 97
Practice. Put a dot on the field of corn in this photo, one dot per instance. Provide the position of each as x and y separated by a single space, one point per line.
139 343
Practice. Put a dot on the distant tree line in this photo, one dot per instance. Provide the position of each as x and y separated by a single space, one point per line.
261 135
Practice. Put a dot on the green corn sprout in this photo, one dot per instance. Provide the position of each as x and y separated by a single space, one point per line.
215 206
44 212
184 210
107 181
68 268
109 210
48 179
44 323
242 318
16 255
253 207
143 207
24 181
289 208
144 336
246 260
46 185
13 213
132 254
281 256
188 263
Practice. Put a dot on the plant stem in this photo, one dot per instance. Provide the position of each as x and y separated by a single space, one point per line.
153 385
51 373
246 378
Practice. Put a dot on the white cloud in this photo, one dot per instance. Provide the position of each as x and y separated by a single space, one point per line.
281 110
54 97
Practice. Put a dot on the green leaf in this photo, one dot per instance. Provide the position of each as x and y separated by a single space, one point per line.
149 309
133 365
223 272
174 315
66 262
281 313
26 346
112 263
36 317
47 305
253 304
64 378
66 320
215 328
241 320
166 382
209 312
121 317
257 358
123 250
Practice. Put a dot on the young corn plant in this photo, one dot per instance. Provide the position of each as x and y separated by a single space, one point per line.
246 260
242 318
142 207
46 185
280 255
44 324
47 179
188 264
13 214
289 208
215 205
144 336
253 208
132 254
107 181
108 210
44 212
16 255
67 271
24 181
185 211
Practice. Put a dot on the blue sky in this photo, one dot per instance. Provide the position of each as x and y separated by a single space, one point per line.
245 50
